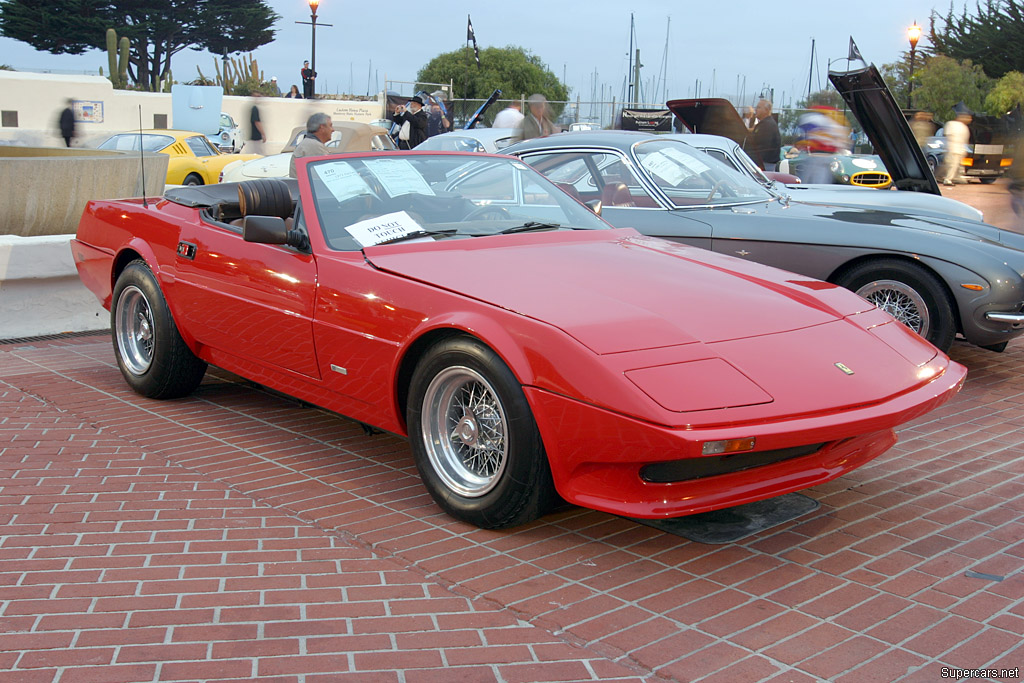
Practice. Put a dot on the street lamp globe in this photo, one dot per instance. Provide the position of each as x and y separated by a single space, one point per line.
313 4
913 33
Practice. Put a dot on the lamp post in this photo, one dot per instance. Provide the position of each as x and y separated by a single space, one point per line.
913 34
313 5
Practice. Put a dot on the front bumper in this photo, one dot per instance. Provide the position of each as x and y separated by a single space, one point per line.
597 456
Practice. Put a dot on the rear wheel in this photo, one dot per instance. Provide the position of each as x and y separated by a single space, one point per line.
151 354
909 293
987 181
192 179
474 439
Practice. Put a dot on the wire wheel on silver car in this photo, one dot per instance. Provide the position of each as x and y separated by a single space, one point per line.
473 436
909 293
153 358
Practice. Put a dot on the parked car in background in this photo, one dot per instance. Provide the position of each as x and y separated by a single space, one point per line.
984 162
347 137
938 276
523 346
858 170
194 161
229 138
916 203
473 140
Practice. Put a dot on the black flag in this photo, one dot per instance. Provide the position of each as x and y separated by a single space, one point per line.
471 35
854 51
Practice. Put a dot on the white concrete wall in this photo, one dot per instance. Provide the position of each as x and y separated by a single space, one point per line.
40 292
39 99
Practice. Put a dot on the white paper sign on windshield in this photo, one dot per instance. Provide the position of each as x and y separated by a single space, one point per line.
341 180
383 228
690 162
665 168
398 176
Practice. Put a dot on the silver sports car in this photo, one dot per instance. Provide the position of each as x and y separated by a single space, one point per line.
939 276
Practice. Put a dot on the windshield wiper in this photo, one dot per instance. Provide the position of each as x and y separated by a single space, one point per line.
529 225
416 235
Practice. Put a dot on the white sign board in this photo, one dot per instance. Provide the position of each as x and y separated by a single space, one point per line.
383 228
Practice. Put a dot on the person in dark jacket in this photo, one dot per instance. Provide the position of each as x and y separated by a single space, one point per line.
67 123
308 80
765 142
412 121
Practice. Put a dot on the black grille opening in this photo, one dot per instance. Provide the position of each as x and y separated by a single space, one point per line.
710 466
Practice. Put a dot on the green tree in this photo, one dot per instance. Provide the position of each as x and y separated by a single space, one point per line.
992 38
513 69
157 31
944 82
1007 94
897 76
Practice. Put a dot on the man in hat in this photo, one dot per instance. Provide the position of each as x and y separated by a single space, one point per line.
536 123
412 121
308 80
273 84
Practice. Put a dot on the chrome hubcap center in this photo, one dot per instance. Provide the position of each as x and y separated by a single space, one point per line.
468 431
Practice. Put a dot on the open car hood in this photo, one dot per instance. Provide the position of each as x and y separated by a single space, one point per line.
711 116
871 102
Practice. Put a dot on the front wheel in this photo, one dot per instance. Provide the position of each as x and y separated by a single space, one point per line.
909 293
151 354
474 439
987 181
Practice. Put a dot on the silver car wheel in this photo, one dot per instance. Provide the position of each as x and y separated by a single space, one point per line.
134 330
465 431
901 301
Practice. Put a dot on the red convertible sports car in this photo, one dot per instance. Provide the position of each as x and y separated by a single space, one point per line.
527 349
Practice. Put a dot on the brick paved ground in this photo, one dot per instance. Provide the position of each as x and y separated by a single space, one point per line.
236 534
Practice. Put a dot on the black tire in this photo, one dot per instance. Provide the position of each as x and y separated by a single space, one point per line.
153 358
933 164
987 181
487 467
192 179
909 293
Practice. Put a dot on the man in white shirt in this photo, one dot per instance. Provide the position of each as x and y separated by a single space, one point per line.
319 128
509 117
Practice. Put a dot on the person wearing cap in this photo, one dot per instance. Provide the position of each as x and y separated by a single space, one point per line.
413 122
273 84
308 80
536 123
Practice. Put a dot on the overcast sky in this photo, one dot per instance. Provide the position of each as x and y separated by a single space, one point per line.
720 44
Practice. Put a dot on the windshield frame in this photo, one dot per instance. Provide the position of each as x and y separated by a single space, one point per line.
445 197
766 194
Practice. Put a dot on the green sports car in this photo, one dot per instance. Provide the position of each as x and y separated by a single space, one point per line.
862 170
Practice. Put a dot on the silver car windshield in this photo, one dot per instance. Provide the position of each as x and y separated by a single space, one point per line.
368 200
130 142
692 178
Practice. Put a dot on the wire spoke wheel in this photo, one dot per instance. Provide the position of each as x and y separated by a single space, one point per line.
134 330
901 302
466 431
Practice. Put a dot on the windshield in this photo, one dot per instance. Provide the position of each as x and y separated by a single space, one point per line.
129 142
367 200
691 178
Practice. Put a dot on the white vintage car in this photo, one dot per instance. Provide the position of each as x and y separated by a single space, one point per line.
229 137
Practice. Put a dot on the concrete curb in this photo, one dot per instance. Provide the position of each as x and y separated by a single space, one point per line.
40 292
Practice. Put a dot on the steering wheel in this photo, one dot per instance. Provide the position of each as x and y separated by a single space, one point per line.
714 189
496 213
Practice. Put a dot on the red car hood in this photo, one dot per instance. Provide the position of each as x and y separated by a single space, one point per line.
618 291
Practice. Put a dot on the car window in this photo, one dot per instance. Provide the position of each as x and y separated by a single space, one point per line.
692 178
382 142
447 196
226 121
130 142
589 175
200 146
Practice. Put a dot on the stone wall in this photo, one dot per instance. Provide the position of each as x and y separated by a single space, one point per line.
43 190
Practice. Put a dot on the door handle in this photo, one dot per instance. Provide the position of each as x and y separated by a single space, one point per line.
187 250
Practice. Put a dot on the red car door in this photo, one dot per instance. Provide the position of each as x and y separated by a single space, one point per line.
254 301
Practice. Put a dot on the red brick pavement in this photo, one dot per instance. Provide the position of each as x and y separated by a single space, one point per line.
236 535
